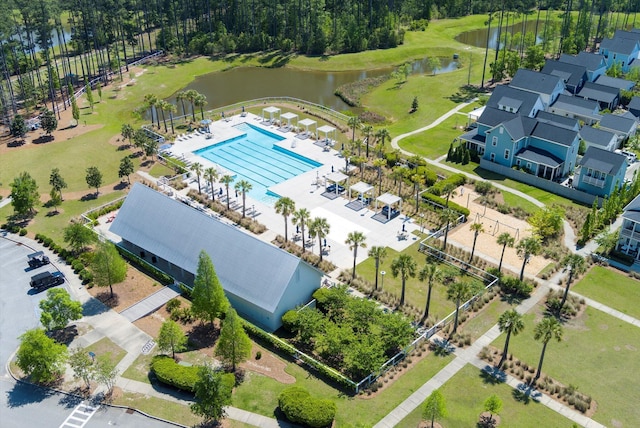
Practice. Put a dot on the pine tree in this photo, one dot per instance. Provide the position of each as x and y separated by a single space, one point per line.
234 345
209 301
450 153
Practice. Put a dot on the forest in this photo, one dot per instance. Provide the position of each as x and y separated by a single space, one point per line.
49 48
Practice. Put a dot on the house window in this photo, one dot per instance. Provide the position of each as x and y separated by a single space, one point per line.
518 162
506 154
589 172
493 157
501 128
528 165
494 141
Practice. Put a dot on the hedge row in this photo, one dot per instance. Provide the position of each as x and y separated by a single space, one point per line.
145 267
454 179
301 408
169 372
79 268
443 202
278 345
105 210
14 228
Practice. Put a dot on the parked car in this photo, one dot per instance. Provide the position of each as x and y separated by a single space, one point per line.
37 259
45 280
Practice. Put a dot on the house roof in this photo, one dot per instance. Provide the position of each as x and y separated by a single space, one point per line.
602 93
590 61
572 74
597 136
528 99
557 120
493 116
632 210
556 134
177 233
603 160
633 35
510 103
473 136
634 103
619 45
577 105
615 82
534 81
539 156
617 123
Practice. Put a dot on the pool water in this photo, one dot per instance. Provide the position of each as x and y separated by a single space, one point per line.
254 157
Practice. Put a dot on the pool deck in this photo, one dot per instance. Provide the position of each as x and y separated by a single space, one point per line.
306 190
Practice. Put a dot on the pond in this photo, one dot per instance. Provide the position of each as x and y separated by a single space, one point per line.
247 83
479 37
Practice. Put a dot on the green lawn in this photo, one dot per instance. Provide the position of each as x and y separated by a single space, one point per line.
164 409
599 355
107 349
415 291
465 394
259 393
611 288
436 141
486 318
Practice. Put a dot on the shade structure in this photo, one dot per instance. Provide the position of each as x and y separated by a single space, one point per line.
273 112
307 123
388 199
474 115
289 117
328 131
336 178
362 189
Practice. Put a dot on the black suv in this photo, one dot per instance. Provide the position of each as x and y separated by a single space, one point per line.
45 280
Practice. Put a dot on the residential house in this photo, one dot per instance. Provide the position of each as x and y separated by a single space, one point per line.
577 108
594 63
607 97
557 120
261 281
574 76
540 148
601 171
615 82
629 238
595 137
545 85
490 117
513 100
623 127
619 50
634 106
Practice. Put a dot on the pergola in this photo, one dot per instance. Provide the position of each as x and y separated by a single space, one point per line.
272 111
362 189
336 178
326 130
307 123
289 117
388 199
474 115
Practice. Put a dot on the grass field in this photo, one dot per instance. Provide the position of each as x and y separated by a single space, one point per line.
465 394
105 348
598 354
259 393
611 288
164 409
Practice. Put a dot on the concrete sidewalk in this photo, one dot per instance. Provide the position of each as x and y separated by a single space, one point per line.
151 303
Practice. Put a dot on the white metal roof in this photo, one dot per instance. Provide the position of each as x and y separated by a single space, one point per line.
326 129
288 116
388 198
307 122
271 109
361 187
337 177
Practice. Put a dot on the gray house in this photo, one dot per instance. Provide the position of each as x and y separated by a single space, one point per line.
634 106
594 63
594 137
607 97
261 281
615 82
513 100
573 75
623 127
545 85
577 108
561 121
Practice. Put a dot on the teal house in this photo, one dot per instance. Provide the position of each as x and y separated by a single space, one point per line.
601 171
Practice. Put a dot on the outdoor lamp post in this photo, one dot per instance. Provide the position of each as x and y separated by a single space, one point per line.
382 274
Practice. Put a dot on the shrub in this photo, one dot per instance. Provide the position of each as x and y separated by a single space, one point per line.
442 202
169 372
258 355
455 179
300 407
483 187
322 295
173 304
289 320
23 231
512 285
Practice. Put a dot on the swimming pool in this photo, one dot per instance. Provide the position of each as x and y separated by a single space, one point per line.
254 157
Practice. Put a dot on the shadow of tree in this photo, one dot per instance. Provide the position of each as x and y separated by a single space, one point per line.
70 401
442 347
492 375
43 139
65 335
203 336
465 93
24 394
93 307
108 300
89 197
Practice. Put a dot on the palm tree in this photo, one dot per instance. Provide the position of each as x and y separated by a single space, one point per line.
447 216
300 218
576 265
151 101
378 254
510 322
405 266
398 174
191 95
181 96
163 105
212 175
460 292
526 248
354 124
197 169
417 179
319 228
200 101
450 190
243 186
506 240
381 135
346 154
354 241
378 164
367 130
285 206
171 108
227 180
430 273
547 329
477 230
